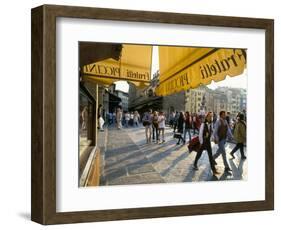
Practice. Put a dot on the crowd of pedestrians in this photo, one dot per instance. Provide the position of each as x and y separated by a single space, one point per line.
123 119
207 128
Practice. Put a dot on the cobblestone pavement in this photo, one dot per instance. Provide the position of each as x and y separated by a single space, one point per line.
129 160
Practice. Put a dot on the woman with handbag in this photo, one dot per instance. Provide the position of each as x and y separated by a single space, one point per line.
161 128
147 122
205 134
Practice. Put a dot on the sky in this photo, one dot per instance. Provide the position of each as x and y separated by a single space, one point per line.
124 86
233 82
239 81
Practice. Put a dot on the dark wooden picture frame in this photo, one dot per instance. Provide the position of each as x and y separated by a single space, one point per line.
43 188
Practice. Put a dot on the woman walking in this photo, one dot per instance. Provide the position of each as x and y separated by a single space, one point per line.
205 134
161 121
136 118
119 118
147 123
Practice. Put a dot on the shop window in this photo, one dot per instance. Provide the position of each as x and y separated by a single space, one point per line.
85 125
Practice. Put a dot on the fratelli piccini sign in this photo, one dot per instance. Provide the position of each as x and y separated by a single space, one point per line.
218 64
134 65
115 70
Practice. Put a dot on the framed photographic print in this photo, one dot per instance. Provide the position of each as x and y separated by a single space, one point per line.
139 114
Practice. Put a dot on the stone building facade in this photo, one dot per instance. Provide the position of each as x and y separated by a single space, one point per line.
194 98
232 100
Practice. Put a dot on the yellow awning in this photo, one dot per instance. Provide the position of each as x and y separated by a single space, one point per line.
108 82
182 68
134 66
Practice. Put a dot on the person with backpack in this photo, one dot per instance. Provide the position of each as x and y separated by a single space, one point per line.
147 123
205 133
239 136
221 132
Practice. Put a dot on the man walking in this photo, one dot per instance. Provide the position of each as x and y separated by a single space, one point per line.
187 126
239 136
221 132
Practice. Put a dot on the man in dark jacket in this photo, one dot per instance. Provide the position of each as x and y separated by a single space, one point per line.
180 124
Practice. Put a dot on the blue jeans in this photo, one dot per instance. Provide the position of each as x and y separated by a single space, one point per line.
221 150
184 135
155 133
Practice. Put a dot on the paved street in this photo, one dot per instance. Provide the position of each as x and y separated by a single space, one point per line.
129 160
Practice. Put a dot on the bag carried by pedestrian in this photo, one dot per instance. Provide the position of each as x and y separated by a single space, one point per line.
146 120
177 135
194 144
145 123
155 122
